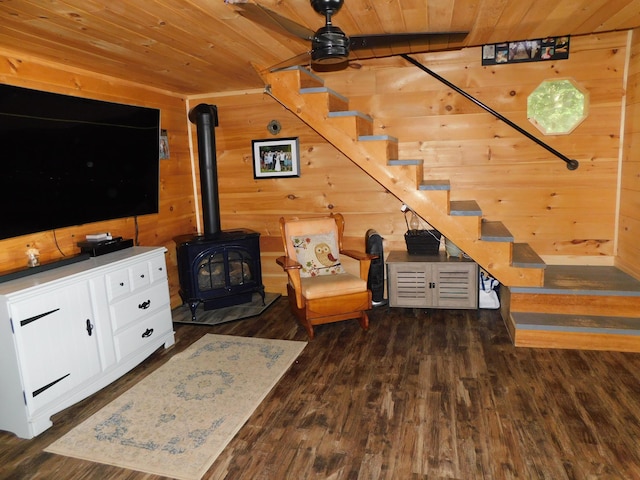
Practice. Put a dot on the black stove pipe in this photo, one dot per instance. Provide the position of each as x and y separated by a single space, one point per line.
205 117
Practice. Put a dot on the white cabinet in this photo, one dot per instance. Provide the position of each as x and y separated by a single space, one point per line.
41 328
68 332
431 281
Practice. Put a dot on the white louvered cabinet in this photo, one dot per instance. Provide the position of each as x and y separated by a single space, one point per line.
431 281
67 332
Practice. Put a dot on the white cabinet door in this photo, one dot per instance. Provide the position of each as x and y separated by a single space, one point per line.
56 342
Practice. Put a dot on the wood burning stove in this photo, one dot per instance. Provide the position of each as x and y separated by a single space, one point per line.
219 270
221 267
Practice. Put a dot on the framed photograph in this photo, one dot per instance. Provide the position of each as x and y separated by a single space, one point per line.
164 145
274 158
550 48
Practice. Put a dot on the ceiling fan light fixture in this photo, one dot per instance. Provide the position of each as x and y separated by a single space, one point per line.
330 45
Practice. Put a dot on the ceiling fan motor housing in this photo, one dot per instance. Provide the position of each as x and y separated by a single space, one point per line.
330 45
325 7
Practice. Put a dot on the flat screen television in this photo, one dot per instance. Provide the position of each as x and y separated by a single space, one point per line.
68 161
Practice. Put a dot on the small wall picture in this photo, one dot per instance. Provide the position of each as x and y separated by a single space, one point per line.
275 158
550 48
164 145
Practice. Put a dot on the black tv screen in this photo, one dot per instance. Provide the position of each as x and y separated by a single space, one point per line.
69 161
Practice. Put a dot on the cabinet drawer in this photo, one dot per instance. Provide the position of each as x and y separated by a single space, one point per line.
136 337
138 305
118 283
140 277
158 269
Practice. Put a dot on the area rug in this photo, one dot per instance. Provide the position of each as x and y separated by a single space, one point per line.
178 419
253 308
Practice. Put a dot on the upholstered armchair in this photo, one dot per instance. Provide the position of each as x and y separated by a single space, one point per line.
320 290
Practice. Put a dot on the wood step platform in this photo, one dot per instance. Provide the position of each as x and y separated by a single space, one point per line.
525 257
578 307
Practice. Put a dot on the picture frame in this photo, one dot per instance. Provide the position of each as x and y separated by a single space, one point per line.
164 145
276 158
537 50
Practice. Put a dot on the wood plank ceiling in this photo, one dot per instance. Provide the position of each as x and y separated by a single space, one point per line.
203 46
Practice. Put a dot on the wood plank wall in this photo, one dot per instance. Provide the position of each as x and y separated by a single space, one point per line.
569 217
176 193
628 257
566 216
329 182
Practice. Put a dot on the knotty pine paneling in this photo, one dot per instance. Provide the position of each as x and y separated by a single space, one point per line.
511 177
176 194
628 254
543 203
329 182
564 215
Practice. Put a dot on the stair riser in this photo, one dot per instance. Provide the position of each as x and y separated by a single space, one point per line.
612 306
472 225
325 102
308 81
380 149
577 341
439 198
353 126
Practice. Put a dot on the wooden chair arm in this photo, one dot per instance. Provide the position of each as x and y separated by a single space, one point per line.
287 263
358 255
293 272
363 258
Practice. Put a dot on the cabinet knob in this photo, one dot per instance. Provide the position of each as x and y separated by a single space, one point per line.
122 284
142 275
89 327
148 332
144 305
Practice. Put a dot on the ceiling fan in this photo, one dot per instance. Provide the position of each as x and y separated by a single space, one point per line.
331 48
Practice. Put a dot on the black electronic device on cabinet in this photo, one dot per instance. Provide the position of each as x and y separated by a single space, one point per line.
96 249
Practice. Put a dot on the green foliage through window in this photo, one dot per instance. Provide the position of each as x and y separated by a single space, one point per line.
557 106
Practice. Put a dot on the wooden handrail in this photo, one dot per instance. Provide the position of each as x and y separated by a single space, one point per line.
571 163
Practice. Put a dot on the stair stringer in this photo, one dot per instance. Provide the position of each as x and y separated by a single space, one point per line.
304 94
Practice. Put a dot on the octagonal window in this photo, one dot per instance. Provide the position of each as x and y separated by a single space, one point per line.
556 107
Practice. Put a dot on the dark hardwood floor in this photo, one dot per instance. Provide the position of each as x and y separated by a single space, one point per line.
424 394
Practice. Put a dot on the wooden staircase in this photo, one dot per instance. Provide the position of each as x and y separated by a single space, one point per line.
579 307
489 243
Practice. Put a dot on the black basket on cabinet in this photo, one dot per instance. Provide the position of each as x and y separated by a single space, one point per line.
423 242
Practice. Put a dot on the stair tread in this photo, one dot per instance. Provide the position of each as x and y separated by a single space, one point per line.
435 185
576 323
465 208
324 90
585 280
350 113
307 75
364 138
417 161
495 232
525 257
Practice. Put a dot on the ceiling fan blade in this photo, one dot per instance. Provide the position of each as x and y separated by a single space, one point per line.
267 18
390 40
302 59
